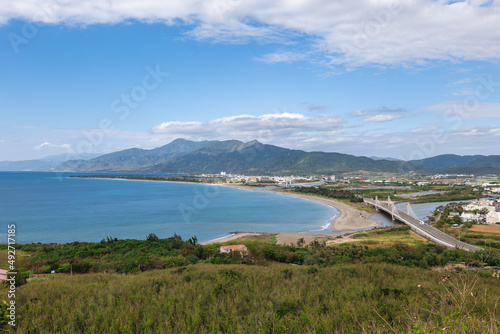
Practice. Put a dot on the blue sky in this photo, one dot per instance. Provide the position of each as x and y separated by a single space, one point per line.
376 78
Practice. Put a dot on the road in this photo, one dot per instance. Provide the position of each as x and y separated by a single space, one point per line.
423 229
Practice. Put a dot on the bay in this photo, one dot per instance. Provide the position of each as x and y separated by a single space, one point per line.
51 207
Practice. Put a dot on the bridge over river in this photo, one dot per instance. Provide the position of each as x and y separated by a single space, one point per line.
409 218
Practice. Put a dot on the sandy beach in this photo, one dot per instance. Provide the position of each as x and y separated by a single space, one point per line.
349 219
229 238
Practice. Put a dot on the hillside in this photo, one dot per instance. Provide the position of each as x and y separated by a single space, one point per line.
183 156
177 286
455 164
207 298
446 161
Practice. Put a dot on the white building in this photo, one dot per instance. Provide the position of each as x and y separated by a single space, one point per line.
493 217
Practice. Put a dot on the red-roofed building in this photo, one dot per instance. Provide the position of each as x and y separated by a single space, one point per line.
3 274
232 248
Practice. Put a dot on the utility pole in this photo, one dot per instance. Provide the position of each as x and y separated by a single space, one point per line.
71 268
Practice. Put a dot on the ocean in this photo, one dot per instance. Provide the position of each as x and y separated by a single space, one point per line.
51 207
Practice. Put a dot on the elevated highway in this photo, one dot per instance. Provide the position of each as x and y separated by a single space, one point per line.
409 218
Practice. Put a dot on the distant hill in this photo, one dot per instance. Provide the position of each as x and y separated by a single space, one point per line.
43 164
233 156
483 165
386 158
446 161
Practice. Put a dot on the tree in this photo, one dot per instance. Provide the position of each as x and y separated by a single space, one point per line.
152 237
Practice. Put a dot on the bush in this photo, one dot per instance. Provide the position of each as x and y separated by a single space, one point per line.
64 268
287 274
309 260
174 261
311 270
152 237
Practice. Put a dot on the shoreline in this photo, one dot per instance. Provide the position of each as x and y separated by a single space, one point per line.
349 219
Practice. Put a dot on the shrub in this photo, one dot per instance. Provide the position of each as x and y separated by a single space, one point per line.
174 261
287 274
309 260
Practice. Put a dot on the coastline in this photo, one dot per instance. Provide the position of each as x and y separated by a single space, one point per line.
348 219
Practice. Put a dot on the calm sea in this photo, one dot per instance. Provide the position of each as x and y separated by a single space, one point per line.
50 207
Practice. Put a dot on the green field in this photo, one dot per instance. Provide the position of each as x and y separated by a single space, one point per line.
278 298
381 284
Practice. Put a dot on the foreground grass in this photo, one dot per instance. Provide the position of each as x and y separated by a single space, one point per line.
279 298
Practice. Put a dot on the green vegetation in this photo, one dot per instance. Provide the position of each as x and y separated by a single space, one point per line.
456 194
329 193
212 157
174 285
129 256
111 255
485 240
151 177
446 193
389 236
206 298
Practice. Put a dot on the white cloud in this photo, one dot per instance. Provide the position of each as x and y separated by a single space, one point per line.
461 82
49 145
247 127
352 33
384 114
281 57
464 92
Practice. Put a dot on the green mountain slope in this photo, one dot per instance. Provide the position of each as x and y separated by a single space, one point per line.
183 156
447 161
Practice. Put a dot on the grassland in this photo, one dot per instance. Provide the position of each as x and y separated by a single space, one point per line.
389 236
379 284
278 298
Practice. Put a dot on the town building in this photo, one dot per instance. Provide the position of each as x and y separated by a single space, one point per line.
233 248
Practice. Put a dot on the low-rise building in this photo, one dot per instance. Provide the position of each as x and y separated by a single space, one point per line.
233 248
3 274
469 216
493 217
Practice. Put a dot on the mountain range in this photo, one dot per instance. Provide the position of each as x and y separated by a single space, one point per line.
233 156
43 164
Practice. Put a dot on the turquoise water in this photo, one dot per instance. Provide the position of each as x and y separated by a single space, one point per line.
49 207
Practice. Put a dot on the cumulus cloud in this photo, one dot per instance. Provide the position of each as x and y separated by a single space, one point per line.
353 33
251 127
384 114
291 130
49 145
